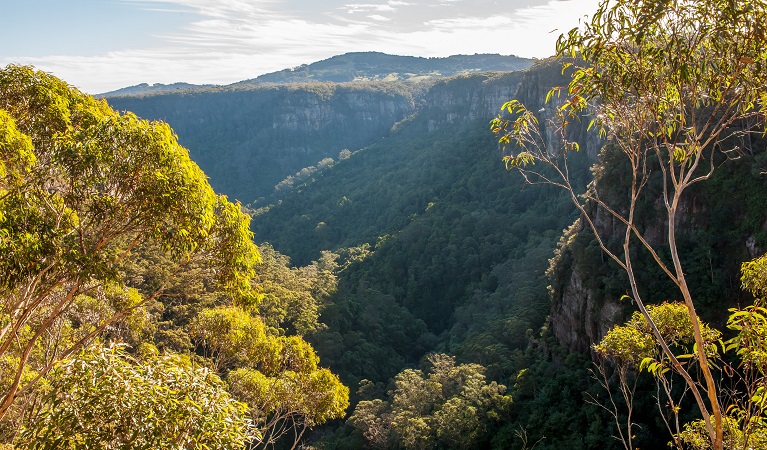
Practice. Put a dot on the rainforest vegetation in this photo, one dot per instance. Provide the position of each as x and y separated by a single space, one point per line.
407 290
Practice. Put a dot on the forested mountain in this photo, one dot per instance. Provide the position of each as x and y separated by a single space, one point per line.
248 137
360 66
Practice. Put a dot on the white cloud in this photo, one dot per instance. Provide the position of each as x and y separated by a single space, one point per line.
469 23
367 7
232 40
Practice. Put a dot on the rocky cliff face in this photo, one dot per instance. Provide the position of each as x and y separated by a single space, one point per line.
578 318
467 99
584 305
247 139
341 108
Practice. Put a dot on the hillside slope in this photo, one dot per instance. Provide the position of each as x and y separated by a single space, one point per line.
448 237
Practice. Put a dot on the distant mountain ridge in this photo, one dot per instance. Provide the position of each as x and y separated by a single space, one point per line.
359 66
145 88
376 66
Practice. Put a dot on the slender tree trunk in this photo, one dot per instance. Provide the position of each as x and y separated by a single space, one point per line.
711 388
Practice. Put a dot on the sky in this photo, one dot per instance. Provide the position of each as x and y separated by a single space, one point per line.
103 45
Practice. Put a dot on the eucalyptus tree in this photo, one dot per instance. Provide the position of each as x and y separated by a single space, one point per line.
82 187
676 87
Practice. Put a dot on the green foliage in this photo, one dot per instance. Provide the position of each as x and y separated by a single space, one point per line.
634 343
230 336
290 401
552 408
274 372
446 406
673 84
16 155
632 346
751 325
754 276
292 297
369 335
694 436
105 399
95 167
627 344
725 52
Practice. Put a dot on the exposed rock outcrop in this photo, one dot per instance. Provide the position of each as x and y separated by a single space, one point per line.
578 318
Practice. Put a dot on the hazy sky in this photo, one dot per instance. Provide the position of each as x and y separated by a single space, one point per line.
101 45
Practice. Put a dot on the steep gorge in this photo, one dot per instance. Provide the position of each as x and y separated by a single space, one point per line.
453 238
441 248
